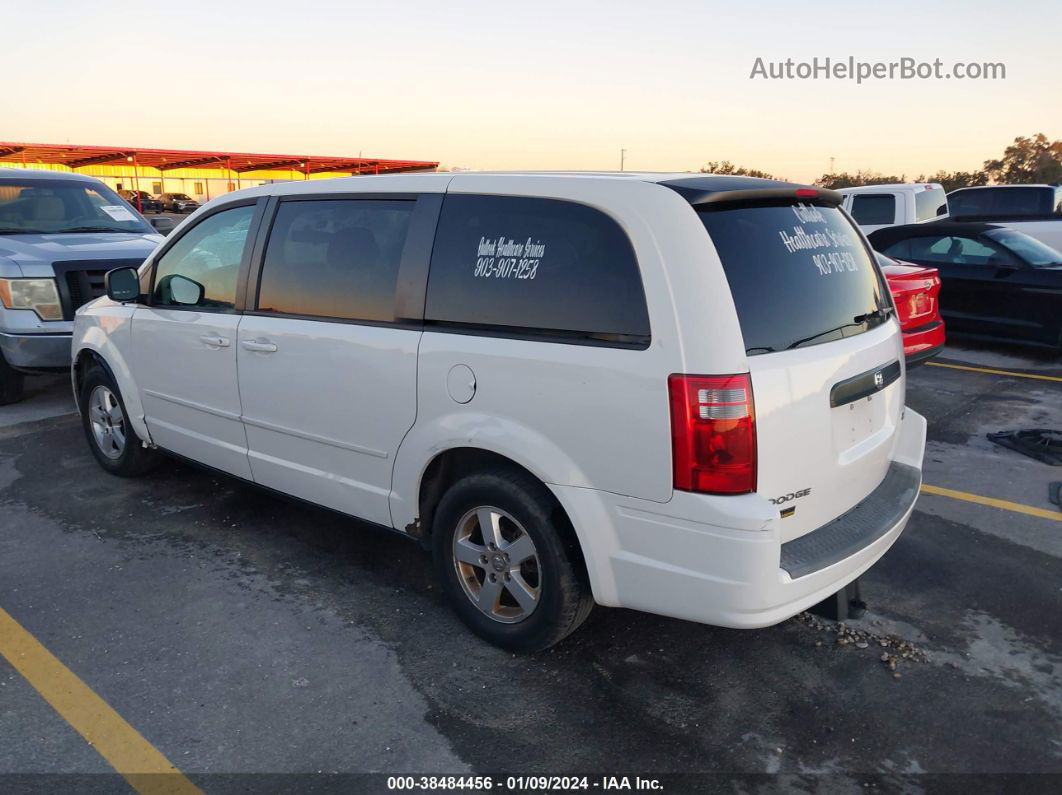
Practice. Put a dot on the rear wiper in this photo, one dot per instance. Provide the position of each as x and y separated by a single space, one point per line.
841 327
760 349
877 314
858 320
91 229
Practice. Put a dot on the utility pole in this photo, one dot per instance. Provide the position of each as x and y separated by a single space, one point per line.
623 156
831 165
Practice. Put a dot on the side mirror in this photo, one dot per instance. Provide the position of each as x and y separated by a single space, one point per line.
1003 263
163 224
122 284
180 290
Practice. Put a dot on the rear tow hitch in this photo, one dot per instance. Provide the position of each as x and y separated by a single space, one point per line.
846 604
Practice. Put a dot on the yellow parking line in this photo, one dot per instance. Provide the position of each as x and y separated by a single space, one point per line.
139 762
1006 505
990 371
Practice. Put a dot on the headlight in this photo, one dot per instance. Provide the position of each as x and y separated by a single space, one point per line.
40 295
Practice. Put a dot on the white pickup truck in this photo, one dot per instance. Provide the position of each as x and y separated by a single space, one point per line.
1035 210
877 206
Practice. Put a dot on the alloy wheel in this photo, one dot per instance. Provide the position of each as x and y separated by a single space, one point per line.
108 422
497 564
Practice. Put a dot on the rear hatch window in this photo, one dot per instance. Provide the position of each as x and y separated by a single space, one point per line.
1002 202
800 274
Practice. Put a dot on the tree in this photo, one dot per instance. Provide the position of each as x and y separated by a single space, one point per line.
864 177
726 167
953 180
1028 160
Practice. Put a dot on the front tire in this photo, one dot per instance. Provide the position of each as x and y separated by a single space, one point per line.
110 435
11 383
510 572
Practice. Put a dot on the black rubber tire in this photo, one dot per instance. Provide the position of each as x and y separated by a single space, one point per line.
11 383
135 459
565 601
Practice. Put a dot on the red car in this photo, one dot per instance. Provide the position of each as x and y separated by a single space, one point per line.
916 291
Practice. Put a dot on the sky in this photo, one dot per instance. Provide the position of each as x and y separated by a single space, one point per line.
533 85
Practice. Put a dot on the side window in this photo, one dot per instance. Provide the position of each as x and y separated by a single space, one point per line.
920 249
335 258
901 249
874 208
974 252
536 265
958 251
939 248
209 256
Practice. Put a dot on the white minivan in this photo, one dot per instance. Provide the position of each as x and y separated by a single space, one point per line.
674 393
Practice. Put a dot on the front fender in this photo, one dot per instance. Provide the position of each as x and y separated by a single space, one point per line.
107 332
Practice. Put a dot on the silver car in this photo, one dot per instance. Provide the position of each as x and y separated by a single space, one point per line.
59 234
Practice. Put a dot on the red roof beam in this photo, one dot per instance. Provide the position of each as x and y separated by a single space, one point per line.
385 169
164 166
91 161
272 165
347 165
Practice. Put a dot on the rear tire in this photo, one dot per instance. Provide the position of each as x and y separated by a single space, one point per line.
526 589
110 435
11 383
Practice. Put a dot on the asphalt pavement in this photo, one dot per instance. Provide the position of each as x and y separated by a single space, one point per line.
239 632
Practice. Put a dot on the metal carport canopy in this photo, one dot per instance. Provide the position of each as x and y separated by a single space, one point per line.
76 156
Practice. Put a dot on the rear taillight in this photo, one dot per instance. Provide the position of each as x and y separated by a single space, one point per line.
713 433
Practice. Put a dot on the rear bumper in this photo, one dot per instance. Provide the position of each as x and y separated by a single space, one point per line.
719 560
923 343
36 351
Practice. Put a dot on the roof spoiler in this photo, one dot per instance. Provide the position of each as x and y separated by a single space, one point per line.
699 197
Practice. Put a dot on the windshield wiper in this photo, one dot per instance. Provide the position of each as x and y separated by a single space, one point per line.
91 229
14 230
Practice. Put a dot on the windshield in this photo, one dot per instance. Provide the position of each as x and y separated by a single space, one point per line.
180 196
1027 248
799 274
47 206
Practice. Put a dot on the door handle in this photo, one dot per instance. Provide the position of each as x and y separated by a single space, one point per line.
214 341
260 346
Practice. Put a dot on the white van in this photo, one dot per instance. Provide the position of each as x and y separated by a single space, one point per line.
679 394
877 206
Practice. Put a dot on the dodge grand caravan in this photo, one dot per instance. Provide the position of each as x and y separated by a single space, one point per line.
679 394
59 234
